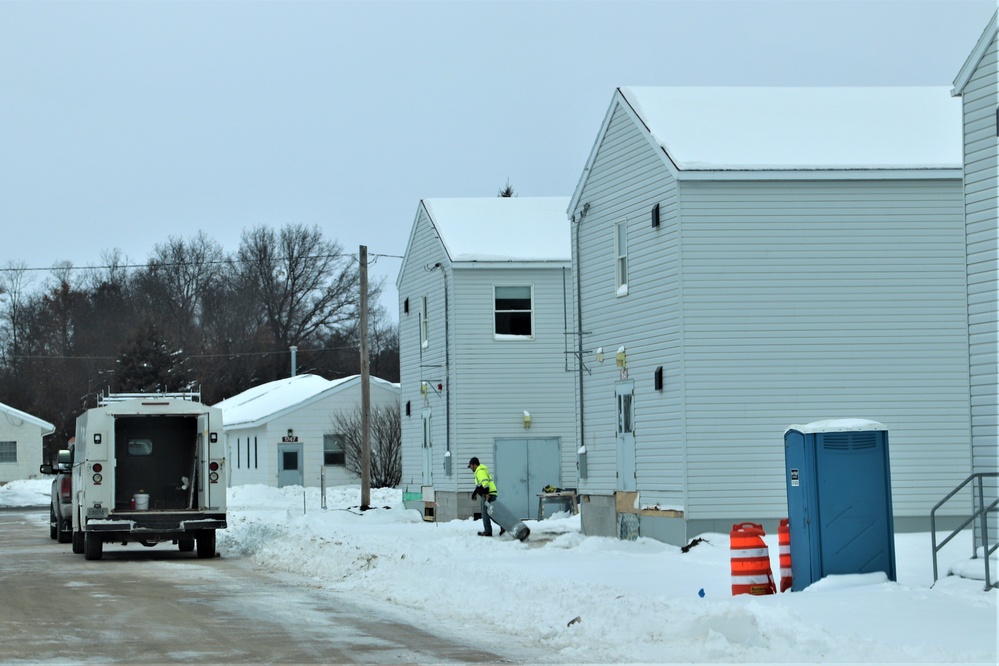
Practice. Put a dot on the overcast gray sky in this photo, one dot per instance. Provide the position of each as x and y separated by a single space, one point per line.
122 124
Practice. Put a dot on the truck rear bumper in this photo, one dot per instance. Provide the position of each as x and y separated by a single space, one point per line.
158 523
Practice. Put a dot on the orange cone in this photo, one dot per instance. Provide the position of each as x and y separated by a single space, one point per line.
784 539
751 573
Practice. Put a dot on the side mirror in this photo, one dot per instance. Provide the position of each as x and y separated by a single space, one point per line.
46 468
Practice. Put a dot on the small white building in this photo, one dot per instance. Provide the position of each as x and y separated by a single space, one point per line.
282 433
485 351
21 443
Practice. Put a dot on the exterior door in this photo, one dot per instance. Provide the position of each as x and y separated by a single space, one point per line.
290 471
625 395
428 449
523 467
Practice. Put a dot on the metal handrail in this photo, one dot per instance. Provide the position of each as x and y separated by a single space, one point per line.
981 513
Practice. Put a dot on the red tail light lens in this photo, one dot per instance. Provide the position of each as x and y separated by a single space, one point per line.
97 467
66 487
214 466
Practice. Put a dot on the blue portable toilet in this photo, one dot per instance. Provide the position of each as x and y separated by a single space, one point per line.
838 499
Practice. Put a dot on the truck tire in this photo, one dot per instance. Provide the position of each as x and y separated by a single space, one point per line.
206 544
77 542
185 545
64 532
93 546
53 524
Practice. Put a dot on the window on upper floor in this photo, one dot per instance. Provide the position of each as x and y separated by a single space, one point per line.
333 450
513 308
8 452
621 257
424 323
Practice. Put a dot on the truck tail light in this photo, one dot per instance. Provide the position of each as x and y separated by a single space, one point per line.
97 474
66 488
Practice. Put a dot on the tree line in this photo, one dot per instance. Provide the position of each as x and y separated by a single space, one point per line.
191 318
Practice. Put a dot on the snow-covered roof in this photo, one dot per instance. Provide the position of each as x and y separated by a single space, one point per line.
976 55
710 128
16 418
260 404
502 229
837 425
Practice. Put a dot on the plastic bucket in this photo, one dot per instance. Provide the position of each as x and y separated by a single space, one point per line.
141 502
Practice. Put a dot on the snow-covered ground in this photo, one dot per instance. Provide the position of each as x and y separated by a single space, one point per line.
576 599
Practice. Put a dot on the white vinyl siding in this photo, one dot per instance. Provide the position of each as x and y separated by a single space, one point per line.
502 377
769 303
489 379
424 363
647 322
981 168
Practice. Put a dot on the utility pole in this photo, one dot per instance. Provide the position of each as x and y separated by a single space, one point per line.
365 386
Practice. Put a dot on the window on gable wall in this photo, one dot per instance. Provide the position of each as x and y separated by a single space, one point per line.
8 452
621 256
513 311
424 323
333 450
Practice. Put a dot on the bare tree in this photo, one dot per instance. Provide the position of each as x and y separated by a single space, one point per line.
386 443
178 277
304 283
14 283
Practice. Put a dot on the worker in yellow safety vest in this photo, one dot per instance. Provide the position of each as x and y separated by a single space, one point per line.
485 488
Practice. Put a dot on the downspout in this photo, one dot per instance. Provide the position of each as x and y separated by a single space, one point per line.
447 378
579 322
447 373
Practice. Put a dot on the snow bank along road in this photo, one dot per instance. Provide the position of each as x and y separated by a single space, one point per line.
156 605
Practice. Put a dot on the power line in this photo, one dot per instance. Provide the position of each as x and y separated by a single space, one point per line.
189 356
173 264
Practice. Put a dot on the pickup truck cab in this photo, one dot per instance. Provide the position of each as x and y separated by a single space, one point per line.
61 504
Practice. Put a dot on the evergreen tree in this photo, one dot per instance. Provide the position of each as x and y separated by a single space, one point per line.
146 365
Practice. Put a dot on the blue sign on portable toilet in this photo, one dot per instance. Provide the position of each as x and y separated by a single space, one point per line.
839 499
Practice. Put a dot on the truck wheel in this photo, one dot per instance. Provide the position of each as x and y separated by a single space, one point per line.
206 544
53 524
65 534
93 547
185 545
78 542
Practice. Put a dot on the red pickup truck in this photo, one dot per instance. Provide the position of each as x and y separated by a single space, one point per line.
60 508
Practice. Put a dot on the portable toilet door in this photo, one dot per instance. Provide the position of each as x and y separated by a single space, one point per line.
839 499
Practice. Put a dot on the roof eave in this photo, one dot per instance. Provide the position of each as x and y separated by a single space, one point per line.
895 173
975 57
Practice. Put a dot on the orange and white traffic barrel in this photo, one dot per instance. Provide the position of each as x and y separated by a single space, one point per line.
784 539
751 573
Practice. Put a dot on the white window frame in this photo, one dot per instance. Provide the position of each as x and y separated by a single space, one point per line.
11 445
621 257
511 336
424 323
340 441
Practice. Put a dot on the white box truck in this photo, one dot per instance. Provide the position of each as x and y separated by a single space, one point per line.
149 468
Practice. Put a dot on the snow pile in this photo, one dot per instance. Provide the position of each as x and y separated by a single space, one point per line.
561 597
636 601
34 492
